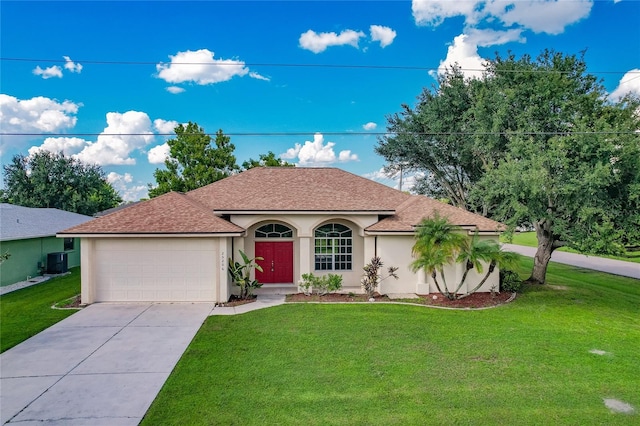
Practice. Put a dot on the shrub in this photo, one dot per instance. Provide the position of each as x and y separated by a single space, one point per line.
509 281
322 285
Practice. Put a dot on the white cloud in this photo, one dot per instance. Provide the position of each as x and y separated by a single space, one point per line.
52 71
72 66
629 83
369 126
37 114
434 12
124 134
158 154
465 54
317 153
68 146
393 179
175 89
318 42
121 183
489 37
114 177
384 35
257 76
548 16
542 16
200 67
464 49
165 126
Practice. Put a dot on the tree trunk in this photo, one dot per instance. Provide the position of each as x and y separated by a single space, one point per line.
547 243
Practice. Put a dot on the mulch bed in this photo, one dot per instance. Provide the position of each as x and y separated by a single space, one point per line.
476 300
236 301
73 303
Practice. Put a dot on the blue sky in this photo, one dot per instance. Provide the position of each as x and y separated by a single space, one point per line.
88 71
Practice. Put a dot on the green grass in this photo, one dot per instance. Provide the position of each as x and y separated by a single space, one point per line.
529 239
26 312
524 363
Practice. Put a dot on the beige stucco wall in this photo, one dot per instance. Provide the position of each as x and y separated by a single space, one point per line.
304 226
395 250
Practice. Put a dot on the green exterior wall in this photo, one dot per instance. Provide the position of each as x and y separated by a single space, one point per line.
25 255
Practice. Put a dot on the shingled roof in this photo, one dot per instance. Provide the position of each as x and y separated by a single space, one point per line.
171 213
417 207
282 190
18 222
298 189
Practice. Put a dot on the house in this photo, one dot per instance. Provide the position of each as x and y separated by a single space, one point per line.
321 220
29 236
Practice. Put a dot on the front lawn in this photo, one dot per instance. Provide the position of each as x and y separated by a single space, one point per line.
26 312
529 239
529 362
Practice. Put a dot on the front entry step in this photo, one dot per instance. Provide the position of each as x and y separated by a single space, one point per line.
268 289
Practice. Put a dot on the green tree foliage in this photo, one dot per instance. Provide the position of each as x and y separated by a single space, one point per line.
45 179
440 244
534 142
434 138
570 159
266 160
193 161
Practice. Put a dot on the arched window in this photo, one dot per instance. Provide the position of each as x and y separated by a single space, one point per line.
333 248
274 230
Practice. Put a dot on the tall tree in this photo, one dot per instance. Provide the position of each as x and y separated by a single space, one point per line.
45 179
534 142
570 165
434 137
193 161
266 160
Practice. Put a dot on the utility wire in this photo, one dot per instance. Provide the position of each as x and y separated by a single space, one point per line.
294 65
567 133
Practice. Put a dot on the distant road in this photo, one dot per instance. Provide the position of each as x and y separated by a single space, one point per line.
612 266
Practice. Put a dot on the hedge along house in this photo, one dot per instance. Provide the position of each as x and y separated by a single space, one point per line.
29 236
321 220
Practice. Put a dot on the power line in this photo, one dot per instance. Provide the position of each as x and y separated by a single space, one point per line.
295 65
239 134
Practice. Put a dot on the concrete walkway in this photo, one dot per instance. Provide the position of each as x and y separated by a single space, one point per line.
611 266
263 301
103 365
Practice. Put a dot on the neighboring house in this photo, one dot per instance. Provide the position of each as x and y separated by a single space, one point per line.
176 247
29 235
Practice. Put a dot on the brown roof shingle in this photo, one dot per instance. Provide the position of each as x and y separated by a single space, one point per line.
171 213
265 189
412 211
298 189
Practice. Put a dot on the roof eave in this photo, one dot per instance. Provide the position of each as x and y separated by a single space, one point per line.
152 234
306 212
389 232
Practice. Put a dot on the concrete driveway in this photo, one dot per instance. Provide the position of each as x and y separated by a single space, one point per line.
101 366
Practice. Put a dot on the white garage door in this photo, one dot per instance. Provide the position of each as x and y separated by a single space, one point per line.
155 269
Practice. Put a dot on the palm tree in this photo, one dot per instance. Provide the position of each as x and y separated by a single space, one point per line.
438 244
479 252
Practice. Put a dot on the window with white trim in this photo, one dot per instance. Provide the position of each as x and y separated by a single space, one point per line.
274 230
333 248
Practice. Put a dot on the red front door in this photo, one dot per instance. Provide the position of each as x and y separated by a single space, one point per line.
277 266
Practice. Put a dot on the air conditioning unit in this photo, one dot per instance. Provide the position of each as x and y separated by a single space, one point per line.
57 263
